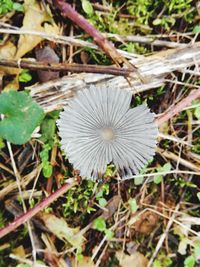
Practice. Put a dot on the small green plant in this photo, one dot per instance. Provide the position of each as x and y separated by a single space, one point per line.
48 128
87 7
47 168
8 5
165 168
133 204
78 199
2 220
100 196
189 261
25 76
100 225
21 116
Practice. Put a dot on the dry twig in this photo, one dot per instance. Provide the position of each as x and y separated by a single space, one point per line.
32 212
69 12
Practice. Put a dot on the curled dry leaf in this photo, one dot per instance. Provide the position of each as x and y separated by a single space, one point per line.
7 51
61 230
34 17
135 259
144 223
47 54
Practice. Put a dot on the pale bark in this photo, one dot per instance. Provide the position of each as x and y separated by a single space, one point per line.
153 69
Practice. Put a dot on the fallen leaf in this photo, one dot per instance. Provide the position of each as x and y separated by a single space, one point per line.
145 222
135 259
7 51
60 228
19 251
48 55
35 16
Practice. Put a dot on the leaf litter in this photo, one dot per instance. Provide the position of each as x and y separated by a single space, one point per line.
157 215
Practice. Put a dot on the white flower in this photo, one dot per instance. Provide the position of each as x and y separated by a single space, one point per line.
98 127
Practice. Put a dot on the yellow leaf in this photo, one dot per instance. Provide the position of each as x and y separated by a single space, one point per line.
7 51
35 16
19 251
135 259
59 228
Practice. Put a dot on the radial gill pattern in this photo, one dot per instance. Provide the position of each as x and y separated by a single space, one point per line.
98 127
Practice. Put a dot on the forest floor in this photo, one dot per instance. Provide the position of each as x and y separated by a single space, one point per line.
49 214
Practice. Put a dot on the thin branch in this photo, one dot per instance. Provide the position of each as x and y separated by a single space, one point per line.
78 68
108 47
179 107
154 69
32 212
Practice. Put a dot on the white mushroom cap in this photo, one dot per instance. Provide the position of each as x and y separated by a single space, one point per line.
98 127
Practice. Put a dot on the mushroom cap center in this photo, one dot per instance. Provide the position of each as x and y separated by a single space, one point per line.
107 134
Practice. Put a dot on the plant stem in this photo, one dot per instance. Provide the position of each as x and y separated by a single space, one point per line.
78 68
32 212
108 47
179 107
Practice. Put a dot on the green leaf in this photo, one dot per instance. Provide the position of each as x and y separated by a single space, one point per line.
2 145
197 113
25 76
48 128
157 22
157 263
157 179
102 202
133 204
198 196
138 180
196 29
197 252
22 116
47 169
189 261
109 234
18 7
100 225
87 7
165 168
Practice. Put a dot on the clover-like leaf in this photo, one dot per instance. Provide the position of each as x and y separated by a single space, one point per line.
21 116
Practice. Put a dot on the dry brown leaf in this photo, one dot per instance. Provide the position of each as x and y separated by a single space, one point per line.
48 55
135 259
8 51
35 16
60 229
19 251
144 223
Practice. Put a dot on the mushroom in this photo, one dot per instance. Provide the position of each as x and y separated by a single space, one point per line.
98 127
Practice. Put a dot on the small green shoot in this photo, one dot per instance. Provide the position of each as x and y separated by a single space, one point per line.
25 76
133 204
8 6
47 168
189 261
87 7
100 225
165 168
